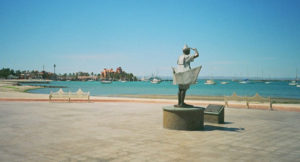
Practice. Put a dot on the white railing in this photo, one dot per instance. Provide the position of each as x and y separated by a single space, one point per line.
255 98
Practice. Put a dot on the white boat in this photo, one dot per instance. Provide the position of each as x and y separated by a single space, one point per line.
123 81
210 82
106 81
267 82
244 81
155 81
293 83
143 79
224 82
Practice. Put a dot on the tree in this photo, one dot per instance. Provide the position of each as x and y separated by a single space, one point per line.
18 73
45 75
5 72
12 72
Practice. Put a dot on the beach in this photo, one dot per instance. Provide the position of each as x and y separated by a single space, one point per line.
10 89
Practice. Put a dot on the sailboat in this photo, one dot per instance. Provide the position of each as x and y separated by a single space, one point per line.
210 82
224 82
266 81
144 79
106 81
155 81
294 82
245 81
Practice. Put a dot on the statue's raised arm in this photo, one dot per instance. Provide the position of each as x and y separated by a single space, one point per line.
196 52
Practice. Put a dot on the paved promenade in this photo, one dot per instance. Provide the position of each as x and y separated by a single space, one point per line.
41 131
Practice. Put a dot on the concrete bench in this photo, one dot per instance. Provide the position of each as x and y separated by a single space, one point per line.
214 113
60 94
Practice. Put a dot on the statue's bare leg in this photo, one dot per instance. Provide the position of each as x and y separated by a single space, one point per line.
179 98
183 97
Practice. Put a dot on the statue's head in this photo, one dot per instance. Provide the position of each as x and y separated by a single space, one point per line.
186 49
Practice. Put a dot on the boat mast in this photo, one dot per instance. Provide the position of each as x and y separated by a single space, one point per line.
296 74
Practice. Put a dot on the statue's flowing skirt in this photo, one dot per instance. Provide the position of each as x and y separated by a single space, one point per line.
187 77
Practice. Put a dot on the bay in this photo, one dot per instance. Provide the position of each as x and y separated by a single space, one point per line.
279 89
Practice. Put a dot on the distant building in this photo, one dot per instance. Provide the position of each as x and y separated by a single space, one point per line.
119 74
119 70
107 73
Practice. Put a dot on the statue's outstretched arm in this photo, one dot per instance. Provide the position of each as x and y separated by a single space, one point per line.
196 52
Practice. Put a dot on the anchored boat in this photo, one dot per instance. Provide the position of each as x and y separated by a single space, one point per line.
106 81
155 81
210 82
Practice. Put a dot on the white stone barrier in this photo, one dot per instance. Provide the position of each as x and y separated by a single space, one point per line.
255 98
69 95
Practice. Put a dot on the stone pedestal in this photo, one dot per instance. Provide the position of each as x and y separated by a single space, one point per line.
183 118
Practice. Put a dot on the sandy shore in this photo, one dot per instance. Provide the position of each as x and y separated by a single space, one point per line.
11 91
13 86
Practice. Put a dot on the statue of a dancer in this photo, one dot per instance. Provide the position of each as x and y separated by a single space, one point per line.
184 75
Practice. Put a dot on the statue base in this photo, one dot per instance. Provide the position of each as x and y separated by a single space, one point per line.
183 118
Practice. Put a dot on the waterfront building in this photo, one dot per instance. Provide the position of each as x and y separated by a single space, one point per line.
119 70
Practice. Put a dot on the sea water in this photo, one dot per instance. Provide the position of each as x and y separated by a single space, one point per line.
279 89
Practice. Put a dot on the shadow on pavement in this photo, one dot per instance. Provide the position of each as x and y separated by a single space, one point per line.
228 123
212 128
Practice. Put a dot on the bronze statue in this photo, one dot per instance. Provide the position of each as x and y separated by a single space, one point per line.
184 75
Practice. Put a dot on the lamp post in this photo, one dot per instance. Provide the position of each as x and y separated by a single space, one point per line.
54 71
54 68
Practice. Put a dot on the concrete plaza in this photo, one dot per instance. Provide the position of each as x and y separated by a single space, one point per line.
42 131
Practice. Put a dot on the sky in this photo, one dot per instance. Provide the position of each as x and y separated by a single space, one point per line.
235 38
